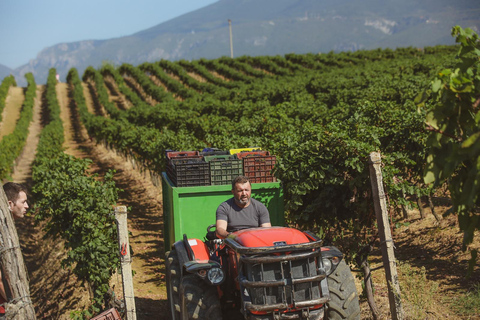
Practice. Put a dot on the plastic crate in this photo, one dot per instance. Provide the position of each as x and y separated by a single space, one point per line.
223 169
188 171
218 157
245 154
259 169
213 151
235 151
177 154
110 314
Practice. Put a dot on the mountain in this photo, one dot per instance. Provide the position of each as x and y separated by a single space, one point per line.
4 71
270 27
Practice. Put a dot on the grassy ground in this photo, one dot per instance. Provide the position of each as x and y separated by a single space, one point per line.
432 271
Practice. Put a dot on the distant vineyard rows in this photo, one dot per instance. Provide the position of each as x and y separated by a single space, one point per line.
321 115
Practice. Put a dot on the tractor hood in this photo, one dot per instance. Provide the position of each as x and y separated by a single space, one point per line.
268 237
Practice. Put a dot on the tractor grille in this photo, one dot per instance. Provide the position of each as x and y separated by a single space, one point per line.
282 281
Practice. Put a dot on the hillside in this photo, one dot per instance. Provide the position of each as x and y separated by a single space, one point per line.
5 71
269 27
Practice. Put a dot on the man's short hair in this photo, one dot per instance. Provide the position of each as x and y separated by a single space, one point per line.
12 190
239 179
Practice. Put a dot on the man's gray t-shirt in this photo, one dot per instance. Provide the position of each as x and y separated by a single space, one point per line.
238 218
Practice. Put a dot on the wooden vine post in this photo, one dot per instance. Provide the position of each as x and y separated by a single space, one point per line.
386 241
14 272
126 262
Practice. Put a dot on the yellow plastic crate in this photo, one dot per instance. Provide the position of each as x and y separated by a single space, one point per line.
234 151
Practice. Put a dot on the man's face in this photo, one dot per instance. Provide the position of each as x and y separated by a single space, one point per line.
19 207
242 193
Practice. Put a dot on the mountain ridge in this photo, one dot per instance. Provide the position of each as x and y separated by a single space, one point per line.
268 27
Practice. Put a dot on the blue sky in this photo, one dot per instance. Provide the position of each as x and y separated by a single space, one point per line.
28 26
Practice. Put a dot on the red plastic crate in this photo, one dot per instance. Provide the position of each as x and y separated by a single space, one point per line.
110 314
177 154
259 169
245 154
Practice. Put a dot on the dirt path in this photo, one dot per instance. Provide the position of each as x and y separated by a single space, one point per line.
114 94
88 98
23 167
12 109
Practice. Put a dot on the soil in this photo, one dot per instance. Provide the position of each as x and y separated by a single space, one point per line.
55 292
11 112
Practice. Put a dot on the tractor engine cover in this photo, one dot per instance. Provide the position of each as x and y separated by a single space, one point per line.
270 237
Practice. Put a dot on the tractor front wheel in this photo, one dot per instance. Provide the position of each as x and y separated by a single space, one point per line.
198 300
343 302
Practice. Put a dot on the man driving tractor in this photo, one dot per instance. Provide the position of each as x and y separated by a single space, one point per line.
241 211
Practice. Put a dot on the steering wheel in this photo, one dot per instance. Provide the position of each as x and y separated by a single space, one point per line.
211 234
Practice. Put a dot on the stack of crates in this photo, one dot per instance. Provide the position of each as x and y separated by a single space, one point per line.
219 167
187 169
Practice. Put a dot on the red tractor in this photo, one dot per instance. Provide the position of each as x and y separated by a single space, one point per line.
260 273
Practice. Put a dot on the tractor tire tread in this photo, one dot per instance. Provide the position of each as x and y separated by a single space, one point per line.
199 300
344 303
172 267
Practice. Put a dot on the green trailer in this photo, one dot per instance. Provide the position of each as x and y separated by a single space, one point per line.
191 210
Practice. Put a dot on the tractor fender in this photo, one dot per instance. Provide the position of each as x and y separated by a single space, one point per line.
190 252
330 252
334 255
179 247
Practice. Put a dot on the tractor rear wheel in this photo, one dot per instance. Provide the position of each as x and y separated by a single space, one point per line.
172 273
199 300
344 302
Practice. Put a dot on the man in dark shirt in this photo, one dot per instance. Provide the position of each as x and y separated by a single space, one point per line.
241 211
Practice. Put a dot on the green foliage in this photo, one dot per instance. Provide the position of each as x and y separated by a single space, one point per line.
243 67
187 80
196 67
12 145
156 92
7 82
76 207
173 85
454 120
267 64
224 70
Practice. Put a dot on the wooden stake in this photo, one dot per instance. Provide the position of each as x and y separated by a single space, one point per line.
124 247
420 207
14 272
388 255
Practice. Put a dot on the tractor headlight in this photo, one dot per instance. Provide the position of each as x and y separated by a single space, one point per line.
330 264
327 264
215 276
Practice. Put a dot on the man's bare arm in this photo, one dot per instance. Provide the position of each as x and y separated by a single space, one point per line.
266 225
222 229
